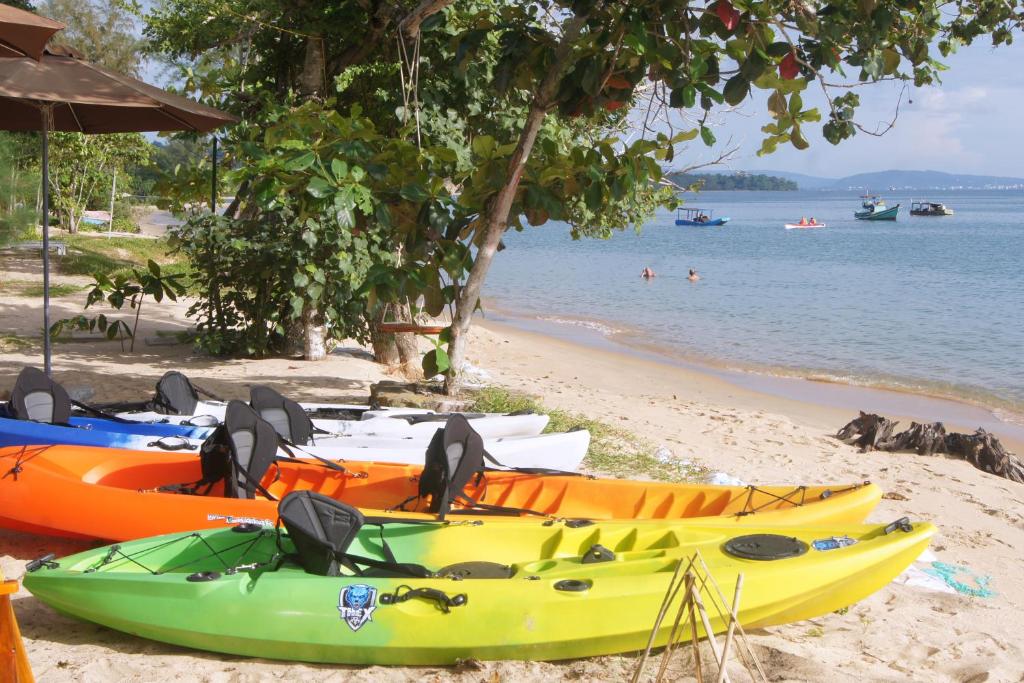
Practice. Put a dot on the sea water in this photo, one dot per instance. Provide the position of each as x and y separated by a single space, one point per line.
926 304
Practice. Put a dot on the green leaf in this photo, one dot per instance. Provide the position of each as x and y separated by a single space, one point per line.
707 136
891 60
484 146
797 139
320 188
435 362
154 268
736 89
301 162
414 192
339 168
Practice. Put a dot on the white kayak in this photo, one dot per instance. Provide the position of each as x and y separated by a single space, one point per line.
797 226
557 451
392 423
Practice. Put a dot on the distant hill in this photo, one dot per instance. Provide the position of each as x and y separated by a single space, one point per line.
880 181
923 180
733 181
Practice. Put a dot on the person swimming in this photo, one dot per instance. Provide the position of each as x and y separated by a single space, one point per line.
647 273
693 276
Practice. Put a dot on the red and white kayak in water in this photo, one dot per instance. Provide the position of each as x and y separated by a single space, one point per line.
801 226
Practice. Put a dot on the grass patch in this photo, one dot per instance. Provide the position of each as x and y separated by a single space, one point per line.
114 255
12 342
613 450
35 290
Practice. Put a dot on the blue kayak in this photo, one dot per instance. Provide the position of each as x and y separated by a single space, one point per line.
90 431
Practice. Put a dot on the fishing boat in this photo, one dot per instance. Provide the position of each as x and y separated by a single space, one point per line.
925 208
702 218
875 210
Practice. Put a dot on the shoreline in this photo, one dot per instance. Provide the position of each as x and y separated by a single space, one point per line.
815 389
824 404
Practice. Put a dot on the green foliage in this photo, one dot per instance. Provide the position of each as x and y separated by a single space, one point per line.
613 451
117 291
102 30
733 181
82 169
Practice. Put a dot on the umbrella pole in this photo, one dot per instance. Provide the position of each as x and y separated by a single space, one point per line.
46 111
213 179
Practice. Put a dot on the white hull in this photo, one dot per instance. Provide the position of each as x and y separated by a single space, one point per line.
376 423
559 451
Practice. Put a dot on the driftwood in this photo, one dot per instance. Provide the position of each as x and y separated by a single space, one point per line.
867 431
983 450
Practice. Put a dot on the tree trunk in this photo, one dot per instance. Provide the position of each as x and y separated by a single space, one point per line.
314 346
399 351
385 348
408 349
495 217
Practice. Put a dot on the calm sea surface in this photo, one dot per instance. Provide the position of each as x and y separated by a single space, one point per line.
926 304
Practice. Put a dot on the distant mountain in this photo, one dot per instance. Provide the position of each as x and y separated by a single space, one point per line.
922 180
880 181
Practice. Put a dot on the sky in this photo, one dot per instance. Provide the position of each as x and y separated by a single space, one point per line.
971 123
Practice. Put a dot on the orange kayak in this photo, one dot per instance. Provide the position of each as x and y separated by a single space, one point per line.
112 494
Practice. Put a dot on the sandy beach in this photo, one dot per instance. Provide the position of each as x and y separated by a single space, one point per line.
903 632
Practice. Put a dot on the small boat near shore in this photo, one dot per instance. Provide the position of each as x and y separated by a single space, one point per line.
700 218
926 208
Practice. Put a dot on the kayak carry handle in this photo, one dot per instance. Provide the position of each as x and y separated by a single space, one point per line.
443 600
902 524
46 560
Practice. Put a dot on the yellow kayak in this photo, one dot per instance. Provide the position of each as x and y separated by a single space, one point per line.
433 593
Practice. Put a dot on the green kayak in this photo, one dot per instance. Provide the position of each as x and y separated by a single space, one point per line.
433 593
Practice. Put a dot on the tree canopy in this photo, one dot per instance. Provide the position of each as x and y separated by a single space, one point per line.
428 129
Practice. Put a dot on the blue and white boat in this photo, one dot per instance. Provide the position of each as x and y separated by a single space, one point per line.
701 218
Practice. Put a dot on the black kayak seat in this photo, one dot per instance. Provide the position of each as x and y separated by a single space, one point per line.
175 395
454 455
321 528
285 415
253 449
38 398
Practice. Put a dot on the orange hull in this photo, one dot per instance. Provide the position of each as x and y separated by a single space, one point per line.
109 493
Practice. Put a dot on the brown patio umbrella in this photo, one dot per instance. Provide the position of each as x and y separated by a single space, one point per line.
62 92
23 34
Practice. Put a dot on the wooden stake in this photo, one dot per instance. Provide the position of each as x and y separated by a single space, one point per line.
732 627
708 630
698 666
670 595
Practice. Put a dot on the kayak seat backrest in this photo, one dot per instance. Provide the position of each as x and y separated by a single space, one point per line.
285 415
454 455
38 398
175 395
253 448
321 528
